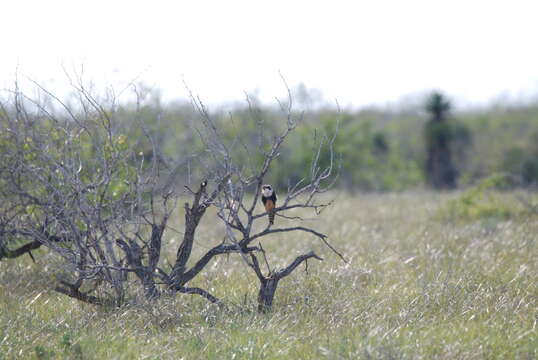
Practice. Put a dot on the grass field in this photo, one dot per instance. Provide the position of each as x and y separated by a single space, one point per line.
419 285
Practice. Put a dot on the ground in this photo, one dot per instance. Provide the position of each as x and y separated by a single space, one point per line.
419 284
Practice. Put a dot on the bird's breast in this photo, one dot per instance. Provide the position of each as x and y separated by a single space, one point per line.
269 205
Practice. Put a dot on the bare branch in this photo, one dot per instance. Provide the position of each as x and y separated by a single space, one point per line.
72 291
204 260
289 269
26 248
268 231
201 292
255 265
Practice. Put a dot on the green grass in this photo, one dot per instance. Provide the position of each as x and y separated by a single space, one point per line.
418 286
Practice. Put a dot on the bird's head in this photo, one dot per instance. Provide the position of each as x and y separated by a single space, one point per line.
267 190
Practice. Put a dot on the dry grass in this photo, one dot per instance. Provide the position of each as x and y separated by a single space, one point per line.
418 286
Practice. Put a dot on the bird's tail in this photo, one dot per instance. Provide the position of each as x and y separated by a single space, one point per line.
272 217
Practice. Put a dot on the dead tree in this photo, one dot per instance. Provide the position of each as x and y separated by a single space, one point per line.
239 216
71 181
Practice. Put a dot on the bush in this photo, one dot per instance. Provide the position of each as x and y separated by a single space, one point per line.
482 201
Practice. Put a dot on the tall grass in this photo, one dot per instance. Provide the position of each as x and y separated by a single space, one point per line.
418 285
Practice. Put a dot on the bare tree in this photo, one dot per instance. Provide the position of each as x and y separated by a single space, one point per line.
239 215
71 180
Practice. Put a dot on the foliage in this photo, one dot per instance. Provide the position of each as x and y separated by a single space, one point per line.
380 149
523 163
504 140
483 201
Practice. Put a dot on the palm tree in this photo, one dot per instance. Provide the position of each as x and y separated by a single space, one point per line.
440 171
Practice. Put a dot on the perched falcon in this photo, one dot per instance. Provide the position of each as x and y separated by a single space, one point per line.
269 201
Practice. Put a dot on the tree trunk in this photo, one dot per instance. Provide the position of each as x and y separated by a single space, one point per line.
150 290
267 294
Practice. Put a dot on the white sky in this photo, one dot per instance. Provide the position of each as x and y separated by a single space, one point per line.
360 52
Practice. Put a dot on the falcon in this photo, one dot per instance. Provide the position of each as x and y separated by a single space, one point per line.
269 201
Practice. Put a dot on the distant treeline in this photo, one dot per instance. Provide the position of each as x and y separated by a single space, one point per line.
376 149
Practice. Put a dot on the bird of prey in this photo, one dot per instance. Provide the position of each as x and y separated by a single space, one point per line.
269 201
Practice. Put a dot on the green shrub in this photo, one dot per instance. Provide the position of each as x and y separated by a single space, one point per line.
481 201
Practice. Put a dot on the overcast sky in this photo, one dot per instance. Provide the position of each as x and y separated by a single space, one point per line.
360 52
